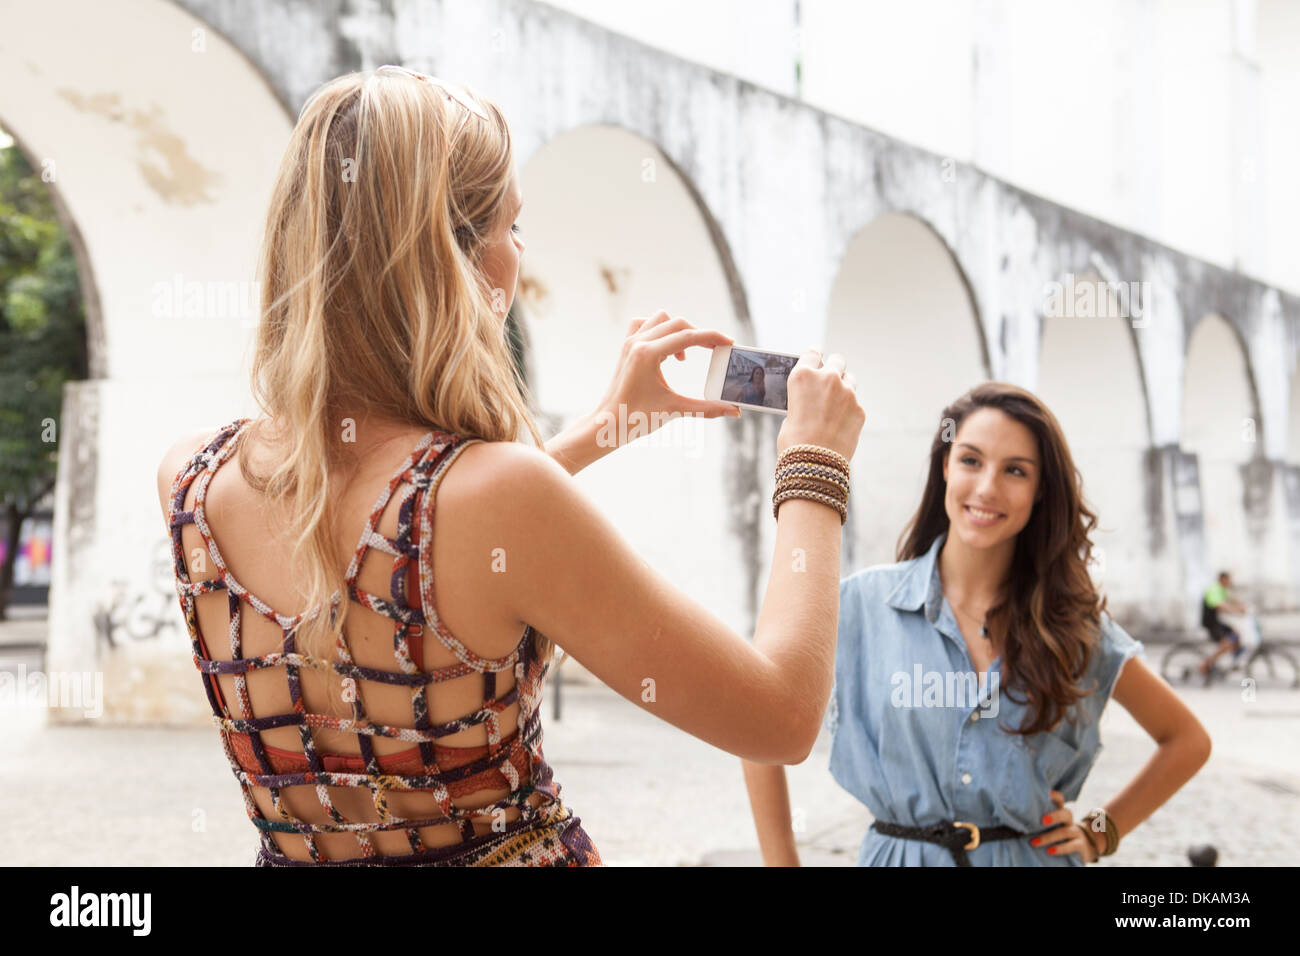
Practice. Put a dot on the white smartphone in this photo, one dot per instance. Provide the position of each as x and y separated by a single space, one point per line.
749 377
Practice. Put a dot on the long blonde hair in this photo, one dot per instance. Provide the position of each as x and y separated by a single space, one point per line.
375 302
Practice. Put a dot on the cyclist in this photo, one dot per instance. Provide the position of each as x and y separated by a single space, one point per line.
1218 598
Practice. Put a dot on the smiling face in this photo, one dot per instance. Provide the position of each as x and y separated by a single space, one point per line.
992 478
504 250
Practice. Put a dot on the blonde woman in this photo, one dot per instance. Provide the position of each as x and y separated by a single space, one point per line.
404 725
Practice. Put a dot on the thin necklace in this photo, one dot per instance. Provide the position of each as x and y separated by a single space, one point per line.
984 631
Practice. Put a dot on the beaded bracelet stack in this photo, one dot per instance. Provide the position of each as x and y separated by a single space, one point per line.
813 472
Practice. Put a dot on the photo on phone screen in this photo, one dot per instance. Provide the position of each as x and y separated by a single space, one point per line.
757 378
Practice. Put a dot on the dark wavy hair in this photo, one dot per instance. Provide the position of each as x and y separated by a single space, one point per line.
1050 611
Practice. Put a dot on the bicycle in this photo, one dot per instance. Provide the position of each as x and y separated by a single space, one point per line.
1269 665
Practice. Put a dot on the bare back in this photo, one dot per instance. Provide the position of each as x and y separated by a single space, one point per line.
257 558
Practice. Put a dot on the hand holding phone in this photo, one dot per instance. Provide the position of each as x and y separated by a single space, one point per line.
819 400
638 390
824 408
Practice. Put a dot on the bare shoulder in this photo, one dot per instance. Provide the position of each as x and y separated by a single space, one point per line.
510 488
502 471
494 507
517 497
181 451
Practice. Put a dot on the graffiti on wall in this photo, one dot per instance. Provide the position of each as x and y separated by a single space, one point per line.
147 614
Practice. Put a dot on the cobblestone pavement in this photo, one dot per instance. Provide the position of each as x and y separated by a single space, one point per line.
646 792
1245 801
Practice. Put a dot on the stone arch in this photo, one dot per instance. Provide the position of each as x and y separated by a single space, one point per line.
163 187
1221 427
581 284
85 271
150 181
902 314
1091 377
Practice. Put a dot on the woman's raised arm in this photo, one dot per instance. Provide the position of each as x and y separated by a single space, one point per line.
572 576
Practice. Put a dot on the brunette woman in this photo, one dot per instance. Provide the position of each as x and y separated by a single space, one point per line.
970 676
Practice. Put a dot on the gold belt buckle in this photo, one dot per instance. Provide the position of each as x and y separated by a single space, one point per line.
975 838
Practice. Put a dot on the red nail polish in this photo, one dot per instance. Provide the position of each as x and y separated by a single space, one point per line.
1035 841
1047 818
1052 850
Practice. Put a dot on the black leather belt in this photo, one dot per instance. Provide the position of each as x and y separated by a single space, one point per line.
957 836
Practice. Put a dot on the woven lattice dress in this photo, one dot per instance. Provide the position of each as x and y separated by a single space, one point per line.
546 832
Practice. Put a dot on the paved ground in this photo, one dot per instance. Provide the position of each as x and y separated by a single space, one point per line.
646 792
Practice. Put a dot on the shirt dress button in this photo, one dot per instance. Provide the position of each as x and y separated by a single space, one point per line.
965 778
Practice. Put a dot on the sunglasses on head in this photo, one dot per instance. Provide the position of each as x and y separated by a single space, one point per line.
456 94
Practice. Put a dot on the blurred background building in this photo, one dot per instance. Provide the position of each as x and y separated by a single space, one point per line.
1093 200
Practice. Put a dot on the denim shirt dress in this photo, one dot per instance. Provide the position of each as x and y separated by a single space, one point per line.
917 738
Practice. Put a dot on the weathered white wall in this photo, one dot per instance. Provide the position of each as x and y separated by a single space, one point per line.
758 42
1277 40
160 143
1119 108
753 232
789 187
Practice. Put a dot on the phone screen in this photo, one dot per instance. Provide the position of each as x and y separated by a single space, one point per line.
757 378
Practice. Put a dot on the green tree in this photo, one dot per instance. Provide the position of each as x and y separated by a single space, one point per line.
42 345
